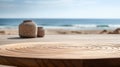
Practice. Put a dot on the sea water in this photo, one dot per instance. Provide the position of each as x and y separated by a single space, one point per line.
78 24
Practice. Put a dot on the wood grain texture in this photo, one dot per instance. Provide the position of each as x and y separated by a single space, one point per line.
28 62
58 54
102 63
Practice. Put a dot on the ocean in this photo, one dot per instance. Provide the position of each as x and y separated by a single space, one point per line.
77 24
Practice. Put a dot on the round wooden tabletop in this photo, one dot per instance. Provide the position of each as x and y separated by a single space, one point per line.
60 54
59 50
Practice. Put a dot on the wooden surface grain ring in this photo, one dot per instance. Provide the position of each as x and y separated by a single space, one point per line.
59 54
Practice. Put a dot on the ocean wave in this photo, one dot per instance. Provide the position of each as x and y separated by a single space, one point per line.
73 26
8 27
84 25
94 25
112 25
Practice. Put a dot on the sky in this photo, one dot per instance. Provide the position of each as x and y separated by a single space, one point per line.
59 8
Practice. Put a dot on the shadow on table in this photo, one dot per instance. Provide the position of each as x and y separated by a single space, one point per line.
18 38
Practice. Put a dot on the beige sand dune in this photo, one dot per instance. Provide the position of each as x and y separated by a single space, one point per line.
60 31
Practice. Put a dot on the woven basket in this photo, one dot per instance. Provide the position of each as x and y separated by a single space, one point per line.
28 29
40 32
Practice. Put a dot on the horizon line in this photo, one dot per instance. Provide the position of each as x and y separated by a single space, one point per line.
54 18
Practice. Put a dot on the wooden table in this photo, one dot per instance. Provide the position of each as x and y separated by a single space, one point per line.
59 54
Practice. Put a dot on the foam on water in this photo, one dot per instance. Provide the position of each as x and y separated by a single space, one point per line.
95 25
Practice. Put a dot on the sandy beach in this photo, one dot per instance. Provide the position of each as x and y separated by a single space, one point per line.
58 35
60 31
96 39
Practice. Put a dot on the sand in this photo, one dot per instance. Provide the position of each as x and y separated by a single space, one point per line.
97 39
59 31
8 36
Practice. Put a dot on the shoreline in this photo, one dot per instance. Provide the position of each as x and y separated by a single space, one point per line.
63 31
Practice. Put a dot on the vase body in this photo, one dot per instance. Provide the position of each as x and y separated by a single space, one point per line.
28 29
41 32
